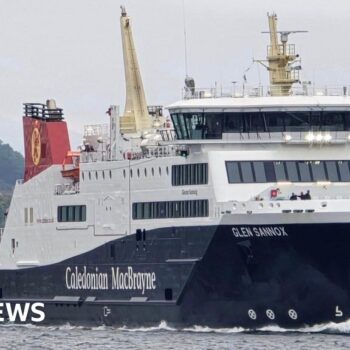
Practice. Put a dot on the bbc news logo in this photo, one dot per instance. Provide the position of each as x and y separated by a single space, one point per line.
24 312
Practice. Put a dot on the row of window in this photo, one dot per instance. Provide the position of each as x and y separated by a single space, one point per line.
133 172
90 174
138 172
173 209
71 213
189 174
212 125
295 171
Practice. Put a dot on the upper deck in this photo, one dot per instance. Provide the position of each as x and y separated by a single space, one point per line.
257 98
218 115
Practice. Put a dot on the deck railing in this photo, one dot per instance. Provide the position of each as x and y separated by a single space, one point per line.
41 111
156 151
245 90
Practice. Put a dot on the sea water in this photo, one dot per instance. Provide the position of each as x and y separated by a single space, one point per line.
327 336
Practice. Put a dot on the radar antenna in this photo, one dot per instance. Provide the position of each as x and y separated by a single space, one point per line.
281 58
123 10
190 87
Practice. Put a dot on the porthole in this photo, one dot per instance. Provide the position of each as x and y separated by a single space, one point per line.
145 170
130 172
252 314
160 171
138 172
270 314
96 175
110 174
152 171
103 174
292 314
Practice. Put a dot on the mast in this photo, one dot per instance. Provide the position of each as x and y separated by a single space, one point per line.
280 57
136 117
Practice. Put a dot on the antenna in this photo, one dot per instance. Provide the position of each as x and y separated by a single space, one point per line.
281 59
185 36
285 33
190 85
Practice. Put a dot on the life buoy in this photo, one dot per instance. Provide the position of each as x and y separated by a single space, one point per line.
274 193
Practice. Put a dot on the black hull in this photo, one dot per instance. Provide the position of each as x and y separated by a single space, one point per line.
225 276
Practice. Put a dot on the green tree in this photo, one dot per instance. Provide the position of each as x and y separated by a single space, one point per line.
11 169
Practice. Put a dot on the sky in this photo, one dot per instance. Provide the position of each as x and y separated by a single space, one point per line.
70 50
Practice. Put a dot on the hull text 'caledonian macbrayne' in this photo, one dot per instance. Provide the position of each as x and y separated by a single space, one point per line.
239 216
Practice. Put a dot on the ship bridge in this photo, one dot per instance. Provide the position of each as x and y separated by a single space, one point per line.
320 117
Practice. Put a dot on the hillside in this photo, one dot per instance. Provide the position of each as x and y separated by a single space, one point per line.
11 169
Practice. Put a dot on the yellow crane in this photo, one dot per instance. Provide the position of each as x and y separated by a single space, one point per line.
136 117
280 57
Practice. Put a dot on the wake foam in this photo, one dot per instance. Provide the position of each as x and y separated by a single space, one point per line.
163 326
331 328
201 329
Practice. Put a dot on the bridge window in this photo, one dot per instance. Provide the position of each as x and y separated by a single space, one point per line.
210 125
297 121
335 121
233 124
275 121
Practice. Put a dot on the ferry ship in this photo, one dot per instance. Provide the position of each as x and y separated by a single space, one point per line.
235 213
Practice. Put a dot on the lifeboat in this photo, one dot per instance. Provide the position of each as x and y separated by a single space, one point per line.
72 158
